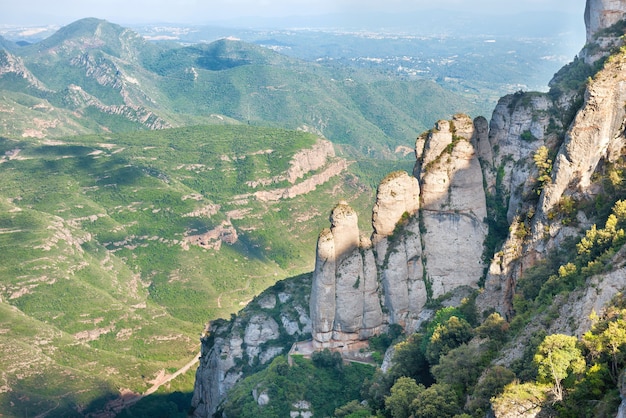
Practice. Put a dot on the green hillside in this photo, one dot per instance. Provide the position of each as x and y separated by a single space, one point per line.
94 76
149 188
100 289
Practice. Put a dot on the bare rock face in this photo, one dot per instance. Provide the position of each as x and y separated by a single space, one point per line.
453 206
601 14
517 129
397 193
344 293
309 160
402 273
345 229
323 303
520 125
346 296
253 337
402 264
596 134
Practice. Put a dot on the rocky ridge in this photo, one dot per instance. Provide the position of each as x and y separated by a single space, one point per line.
308 169
418 251
430 227
267 327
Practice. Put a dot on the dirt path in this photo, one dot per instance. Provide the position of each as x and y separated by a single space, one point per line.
168 378
128 398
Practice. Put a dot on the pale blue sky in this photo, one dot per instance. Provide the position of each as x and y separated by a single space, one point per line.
205 11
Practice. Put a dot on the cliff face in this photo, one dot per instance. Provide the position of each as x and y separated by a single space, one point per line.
430 228
453 206
266 328
594 139
602 14
419 252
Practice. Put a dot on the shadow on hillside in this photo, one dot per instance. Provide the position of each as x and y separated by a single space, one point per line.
171 405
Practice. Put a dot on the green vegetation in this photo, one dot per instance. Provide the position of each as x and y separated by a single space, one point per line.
557 357
527 136
559 375
543 163
225 82
95 263
433 370
569 267
576 377
324 383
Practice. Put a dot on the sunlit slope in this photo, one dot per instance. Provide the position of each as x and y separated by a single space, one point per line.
93 76
116 250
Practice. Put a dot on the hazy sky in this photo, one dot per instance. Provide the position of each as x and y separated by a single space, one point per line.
205 11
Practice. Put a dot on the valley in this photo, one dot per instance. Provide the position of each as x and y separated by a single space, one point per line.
163 188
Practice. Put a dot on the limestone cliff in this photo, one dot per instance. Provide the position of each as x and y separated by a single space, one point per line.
545 162
267 327
416 253
453 206
582 148
347 299
602 14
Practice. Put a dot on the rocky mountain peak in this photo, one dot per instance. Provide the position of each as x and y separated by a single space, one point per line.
397 194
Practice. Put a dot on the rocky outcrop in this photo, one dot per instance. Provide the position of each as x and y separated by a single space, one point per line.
361 286
597 134
602 14
77 98
319 163
344 293
397 193
213 239
594 138
10 64
302 163
267 327
453 206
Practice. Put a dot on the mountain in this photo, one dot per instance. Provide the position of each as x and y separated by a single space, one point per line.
93 76
115 249
500 257
6 44
120 242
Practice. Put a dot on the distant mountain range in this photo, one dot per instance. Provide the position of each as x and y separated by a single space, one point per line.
95 76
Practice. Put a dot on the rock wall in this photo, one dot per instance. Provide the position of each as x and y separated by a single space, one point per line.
267 327
601 14
594 138
597 134
454 207
360 286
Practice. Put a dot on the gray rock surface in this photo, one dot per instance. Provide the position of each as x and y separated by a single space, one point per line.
601 14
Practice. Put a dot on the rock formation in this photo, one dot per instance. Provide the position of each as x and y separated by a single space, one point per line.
429 228
349 302
602 14
267 328
594 138
453 206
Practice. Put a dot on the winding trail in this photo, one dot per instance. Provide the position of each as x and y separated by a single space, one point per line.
168 378
128 398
